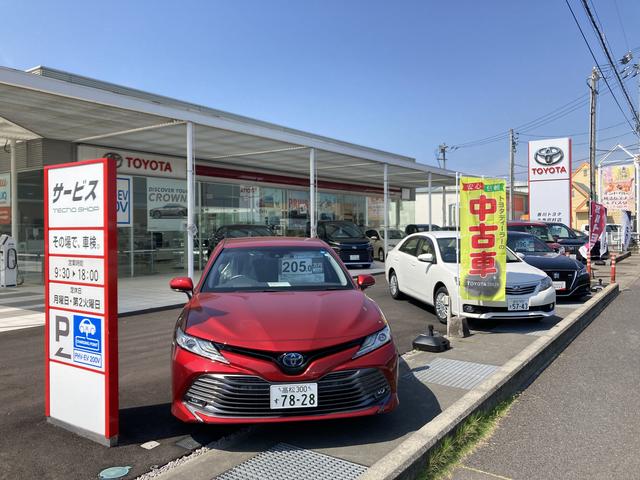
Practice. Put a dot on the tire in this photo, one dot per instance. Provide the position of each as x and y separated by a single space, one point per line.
156 214
394 286
439 304
381 255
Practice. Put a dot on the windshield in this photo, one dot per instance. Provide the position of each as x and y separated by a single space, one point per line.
393 234
448 251
275 269
560 231
540 231
256 231
527 244
341 231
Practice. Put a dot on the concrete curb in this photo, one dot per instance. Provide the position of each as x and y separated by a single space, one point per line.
408 460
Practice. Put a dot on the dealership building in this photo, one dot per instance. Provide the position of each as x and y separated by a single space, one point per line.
187 168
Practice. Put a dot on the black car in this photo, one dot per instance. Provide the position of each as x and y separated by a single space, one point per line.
236 231
569 276
420 227
566 237
348 241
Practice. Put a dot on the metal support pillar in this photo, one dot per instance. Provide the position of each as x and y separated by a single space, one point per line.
637 173
191 227
430 209
444 205
386 210
15 221
312 193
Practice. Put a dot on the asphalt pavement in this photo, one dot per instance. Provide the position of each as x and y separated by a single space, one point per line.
579 418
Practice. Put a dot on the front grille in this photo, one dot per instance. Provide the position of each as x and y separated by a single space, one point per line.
522 290
247 396
567 276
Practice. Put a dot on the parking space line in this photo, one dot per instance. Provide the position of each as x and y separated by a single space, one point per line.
492 475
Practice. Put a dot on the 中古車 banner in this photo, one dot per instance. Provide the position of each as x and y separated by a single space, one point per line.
483 239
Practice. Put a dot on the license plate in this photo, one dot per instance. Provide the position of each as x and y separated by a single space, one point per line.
560 285
517 304
294 395
354 257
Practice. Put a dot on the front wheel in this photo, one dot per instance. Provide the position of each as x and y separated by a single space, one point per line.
394 288
441 304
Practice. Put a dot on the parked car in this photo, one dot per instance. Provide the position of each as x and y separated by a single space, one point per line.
539 229
277 330
566 237
376 236
236 231
569 276
348 241
170 210
420 227
424 266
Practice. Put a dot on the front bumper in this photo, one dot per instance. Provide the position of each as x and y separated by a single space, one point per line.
541 304
211 392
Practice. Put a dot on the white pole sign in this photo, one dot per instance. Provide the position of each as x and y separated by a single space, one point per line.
550 180
81 298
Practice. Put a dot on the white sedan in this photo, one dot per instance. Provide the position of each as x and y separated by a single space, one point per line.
423 266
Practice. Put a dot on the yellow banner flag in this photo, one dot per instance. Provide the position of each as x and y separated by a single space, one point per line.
483 239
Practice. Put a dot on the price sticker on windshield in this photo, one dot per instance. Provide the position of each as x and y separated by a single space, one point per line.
301 269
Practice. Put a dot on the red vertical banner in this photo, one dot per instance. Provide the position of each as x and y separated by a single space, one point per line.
81 302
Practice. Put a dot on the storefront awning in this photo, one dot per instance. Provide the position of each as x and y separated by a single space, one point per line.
57 105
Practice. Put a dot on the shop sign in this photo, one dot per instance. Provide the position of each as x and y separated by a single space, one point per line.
550 180
138 163
166 205
123 201
5 199
618 187
81 298
483 239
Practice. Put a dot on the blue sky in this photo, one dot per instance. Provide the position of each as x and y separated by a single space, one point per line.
401 76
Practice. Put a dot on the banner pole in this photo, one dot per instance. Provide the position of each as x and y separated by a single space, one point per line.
458 237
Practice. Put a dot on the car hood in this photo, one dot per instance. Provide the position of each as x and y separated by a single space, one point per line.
551 261
283 321
348 241
517 272
572 241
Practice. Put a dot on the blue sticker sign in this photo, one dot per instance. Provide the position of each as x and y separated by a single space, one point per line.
87 340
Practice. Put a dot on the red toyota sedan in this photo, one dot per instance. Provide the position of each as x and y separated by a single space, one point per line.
277 330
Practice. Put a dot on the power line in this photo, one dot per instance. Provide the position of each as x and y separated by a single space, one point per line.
605 47
579 134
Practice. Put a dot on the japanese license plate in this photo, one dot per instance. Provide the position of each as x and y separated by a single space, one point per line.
354 257
294 395
560 285
517 304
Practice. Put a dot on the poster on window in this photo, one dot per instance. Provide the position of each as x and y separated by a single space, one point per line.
250 204
166 205
483 239
618 187
298 209
5 199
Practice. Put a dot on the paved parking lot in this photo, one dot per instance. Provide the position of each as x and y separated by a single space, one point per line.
145 396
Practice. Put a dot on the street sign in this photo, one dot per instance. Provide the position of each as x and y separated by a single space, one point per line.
81 298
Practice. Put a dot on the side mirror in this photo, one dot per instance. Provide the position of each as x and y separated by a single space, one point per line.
520 255
182 284
426 257
555 237
365 281
374 238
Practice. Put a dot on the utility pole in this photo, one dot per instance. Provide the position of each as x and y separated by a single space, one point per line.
593 87
442 148
512 159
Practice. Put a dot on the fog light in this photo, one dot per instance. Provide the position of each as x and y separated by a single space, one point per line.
468 308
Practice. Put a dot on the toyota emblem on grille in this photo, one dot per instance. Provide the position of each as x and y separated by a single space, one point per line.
548 156
292 359
516 287
556 275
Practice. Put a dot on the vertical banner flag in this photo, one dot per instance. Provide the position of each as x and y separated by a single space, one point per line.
597 221
626 229
483 239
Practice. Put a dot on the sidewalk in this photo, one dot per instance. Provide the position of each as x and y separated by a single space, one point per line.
23 306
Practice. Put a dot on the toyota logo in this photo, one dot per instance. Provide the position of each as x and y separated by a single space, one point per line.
292 360
114 156
548 156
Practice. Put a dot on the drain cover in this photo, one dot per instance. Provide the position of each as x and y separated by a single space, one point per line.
453 373
283 462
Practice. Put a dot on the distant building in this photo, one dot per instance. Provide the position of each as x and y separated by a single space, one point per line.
580 193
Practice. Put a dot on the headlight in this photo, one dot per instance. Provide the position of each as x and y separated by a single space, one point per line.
545 283
373 341
201 347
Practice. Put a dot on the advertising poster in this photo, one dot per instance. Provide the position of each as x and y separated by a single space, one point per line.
298 210
483 239
550 180
5 199
123 200
618 187
166 205
250 204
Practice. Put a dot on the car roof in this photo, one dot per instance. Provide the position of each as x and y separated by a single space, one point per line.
518 223
243 225
514 233
247 242
435 234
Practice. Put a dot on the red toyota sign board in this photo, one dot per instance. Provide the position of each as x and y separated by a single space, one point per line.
81 301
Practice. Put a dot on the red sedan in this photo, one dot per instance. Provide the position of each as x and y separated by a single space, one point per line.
277 330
